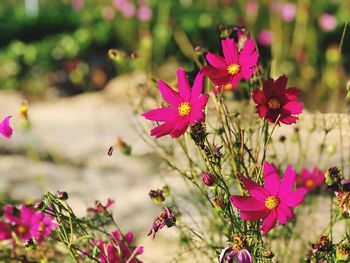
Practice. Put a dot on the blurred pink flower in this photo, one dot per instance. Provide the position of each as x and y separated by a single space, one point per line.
108 13
5 232
274 101
144 13
327 22
5 128
288 11
119 249
251 7
128 9
186 106
311 179
235 65
265 37
273 202
42 226
77 4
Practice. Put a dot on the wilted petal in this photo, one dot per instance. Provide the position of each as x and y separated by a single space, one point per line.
244 256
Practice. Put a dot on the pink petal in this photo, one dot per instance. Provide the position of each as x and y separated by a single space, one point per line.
288 212
5 128
271 179
162 114
293 107
253 215
244 257
163 129
262 111
197 86
216 61
270 221
200 102
287 182
230 50
5 232
196 116
180 128
235 80
184 86
248 61
293 199
254 189
289 119
259 97
281 216
247 203
292 94
281 83
248 72
248 48
170 96
268 88
129 237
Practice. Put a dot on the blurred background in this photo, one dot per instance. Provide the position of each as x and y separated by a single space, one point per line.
59 48
69 100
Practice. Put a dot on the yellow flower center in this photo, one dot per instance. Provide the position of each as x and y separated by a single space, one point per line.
271 202
309 183
233 68
274 104
21 229
184 109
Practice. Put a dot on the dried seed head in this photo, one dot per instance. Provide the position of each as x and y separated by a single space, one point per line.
156 196
343 199
334 178
62 195
198 134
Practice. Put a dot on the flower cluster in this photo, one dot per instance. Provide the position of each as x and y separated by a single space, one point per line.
25 224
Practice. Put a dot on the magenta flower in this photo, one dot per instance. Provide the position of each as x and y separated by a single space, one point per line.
273 202
185 107
327 22
5 232
265 37
166 218
227 71
275 101
27 223
42 226
5 128
228 255
310 180
119 250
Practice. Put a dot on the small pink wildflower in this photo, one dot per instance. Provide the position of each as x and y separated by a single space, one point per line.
265 37
119 250
311 179
186 107
273 202
327 22
227 71
5 128
274 101
144 13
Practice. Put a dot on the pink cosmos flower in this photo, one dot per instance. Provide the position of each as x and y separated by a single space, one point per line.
273 202
27 223
185 107
327 22
274 101
166 218
311 179
119 250
144 13
228 255
5 128
265 37
227 71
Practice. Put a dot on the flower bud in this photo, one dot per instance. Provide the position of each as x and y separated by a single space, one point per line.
123 147
156 196
62 195
39 205
208 179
